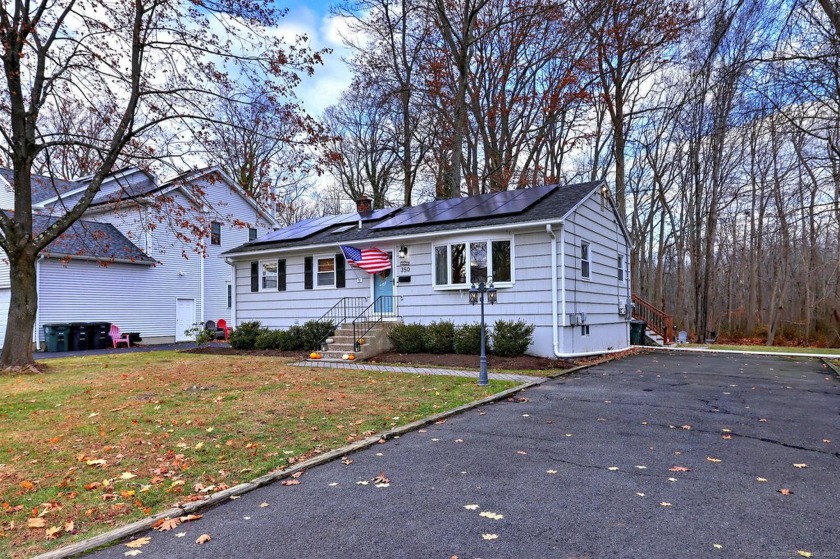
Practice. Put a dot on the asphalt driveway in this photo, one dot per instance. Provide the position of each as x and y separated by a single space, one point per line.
659 455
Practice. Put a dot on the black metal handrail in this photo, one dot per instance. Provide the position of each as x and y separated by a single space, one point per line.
341 312
382 306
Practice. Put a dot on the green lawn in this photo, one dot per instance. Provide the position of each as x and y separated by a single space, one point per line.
97 442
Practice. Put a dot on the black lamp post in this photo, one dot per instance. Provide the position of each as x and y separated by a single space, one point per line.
477 296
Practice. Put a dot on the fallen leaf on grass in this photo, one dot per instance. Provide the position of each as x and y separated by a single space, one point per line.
35 523
52 532
679 469
491 515
139 542
27 485
714 460
98 462
127 475
166 524
800 465
490 536
785 491
203 538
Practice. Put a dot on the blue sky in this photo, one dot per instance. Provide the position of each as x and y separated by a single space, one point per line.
323 30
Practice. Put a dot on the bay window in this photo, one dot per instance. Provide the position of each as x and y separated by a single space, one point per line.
461 264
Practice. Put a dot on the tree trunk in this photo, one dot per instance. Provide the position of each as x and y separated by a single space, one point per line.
17 348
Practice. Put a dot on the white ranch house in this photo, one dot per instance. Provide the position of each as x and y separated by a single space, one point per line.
111 266
558 256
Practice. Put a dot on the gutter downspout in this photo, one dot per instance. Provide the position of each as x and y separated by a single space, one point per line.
232 265
558 323
201 285
35 337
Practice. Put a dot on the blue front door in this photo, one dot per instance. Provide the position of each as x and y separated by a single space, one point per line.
383 286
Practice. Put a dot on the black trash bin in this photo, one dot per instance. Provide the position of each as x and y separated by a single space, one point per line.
637 332
78 336
57 337
98 337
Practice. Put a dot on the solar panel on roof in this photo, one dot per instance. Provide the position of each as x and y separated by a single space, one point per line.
303 229
372 215
486 205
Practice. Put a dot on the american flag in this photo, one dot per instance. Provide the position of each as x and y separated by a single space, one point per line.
371 260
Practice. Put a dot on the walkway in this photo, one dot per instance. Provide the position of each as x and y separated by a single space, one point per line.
415 370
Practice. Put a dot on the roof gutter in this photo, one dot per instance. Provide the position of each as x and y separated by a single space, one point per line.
95 259
516 226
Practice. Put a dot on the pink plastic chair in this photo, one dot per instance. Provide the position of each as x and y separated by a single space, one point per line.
223 329
118 338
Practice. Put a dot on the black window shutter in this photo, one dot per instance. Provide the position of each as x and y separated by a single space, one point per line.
339 270
281 275
307 272
255 276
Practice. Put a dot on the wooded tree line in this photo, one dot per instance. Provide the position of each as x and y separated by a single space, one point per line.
716 123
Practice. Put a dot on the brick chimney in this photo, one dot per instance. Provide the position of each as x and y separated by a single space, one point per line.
364 204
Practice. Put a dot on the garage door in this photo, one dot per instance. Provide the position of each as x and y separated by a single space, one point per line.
5 295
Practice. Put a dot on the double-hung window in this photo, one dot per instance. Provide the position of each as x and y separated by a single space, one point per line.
585 262
268 275
325 267
215 233
460 264
252 233
620 268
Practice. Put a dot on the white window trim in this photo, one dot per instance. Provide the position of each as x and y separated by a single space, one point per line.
466 241
315 259
588 259
621 265
276 275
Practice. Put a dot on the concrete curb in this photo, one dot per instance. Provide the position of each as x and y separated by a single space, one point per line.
832 366
742 352
190 508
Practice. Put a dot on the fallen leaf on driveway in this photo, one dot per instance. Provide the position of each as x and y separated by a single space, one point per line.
139 542
717 546
491 515
203 538
800 465
521 452
166 524
290 481
381 478
191 517
640 494
827 441
132 553
471 507
803 553
665 504
785 491
612 468
715 460
762 421
761 479
263 505
180 534
686 427
672 479
346 461
490 536
551 471
679 469
641 467
726 430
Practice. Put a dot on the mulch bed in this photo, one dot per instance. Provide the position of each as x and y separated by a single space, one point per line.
457 361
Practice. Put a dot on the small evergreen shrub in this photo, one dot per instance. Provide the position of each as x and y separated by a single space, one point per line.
245 335
269 339
293 339
313 332
468 339
440 337
512 338
408 338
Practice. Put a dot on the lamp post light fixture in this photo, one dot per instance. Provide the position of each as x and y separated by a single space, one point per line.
477 296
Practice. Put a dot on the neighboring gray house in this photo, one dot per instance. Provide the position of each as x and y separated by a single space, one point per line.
133 259
558 256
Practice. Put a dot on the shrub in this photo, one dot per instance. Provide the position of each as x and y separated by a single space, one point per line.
511 339
293 339
269 339
440 337
313 332
408 338
245 335
201 336
468 339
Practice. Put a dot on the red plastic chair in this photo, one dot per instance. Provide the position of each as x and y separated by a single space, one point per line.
223 329
118 338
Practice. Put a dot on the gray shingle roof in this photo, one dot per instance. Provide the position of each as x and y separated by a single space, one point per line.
91 239
43 188
553 206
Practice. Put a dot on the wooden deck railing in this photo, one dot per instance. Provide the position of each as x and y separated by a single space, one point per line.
657 320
